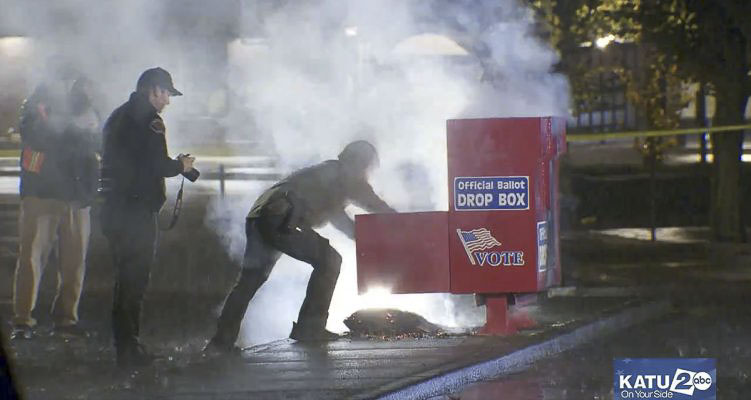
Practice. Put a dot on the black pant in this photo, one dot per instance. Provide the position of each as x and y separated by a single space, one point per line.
132 236
267 239
7 386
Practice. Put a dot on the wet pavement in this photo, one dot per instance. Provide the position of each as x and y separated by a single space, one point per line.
49 367
605 275
710 325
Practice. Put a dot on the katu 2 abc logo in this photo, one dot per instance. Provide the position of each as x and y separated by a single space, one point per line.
665 378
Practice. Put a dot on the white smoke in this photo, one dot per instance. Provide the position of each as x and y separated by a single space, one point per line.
323 75
113 42
314 76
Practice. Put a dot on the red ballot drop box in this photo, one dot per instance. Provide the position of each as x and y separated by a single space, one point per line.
500 235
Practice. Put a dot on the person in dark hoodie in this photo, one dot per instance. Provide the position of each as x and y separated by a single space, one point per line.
282 221
134 164
50 211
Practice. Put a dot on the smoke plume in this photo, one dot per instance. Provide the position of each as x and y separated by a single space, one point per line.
322 75
306 78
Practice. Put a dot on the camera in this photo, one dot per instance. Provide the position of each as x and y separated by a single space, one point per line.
191 175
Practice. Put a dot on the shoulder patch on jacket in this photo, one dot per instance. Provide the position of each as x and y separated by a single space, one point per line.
157 125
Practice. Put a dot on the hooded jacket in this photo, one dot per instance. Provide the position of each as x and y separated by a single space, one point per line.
41 127
319 194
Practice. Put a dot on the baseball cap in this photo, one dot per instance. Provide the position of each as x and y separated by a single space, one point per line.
158 77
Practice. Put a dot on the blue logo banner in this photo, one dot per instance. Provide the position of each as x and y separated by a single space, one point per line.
665 378
491 193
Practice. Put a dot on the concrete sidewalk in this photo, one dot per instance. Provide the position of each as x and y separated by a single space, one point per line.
49 368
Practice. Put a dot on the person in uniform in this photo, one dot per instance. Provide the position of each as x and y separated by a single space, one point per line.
282 221
134 164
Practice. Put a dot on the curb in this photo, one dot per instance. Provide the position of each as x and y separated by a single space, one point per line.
517 360
607 291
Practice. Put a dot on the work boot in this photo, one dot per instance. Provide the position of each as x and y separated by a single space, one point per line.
310 333
21 331
134 356
217 349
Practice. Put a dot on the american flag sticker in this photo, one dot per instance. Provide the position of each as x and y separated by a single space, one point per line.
476 240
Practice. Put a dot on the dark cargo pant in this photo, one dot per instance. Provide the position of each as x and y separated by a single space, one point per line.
267 239
132 236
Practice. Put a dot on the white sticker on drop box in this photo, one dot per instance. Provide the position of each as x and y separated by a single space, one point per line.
491 193
542 246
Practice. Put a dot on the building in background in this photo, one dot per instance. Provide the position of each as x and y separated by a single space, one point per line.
15 56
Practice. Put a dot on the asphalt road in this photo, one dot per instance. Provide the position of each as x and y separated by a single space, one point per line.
713 324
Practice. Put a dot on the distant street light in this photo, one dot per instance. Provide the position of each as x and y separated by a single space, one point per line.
14 46
604 41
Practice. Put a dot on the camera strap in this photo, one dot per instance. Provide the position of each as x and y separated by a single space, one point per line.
176 209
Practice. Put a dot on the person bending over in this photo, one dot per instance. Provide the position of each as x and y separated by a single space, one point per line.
282 221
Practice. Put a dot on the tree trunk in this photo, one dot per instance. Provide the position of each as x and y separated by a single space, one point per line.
727 147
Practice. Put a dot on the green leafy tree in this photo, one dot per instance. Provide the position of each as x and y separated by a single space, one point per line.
694 41
709 42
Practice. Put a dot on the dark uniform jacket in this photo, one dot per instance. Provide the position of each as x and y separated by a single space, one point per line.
135 160
319 194
41 127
